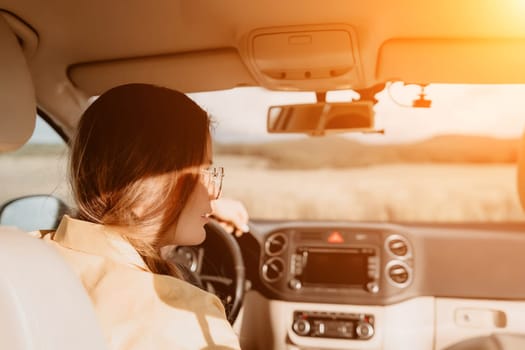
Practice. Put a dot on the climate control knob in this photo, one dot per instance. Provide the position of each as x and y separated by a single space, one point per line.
364 330
295 284
301 327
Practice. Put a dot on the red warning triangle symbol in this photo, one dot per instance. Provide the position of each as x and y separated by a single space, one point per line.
335 237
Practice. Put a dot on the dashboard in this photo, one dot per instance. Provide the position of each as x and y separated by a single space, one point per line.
339 285
336 264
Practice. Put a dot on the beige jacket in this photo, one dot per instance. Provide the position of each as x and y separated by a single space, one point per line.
137 308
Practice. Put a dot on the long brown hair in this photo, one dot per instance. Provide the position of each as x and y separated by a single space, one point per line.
129 138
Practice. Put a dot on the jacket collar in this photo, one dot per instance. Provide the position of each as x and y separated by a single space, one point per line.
97 239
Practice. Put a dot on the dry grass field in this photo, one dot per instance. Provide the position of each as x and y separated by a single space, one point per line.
395 192
340 152
34 170
468 186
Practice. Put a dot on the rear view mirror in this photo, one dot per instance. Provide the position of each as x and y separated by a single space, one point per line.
320 118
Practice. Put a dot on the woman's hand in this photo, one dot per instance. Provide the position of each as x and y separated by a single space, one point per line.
231 214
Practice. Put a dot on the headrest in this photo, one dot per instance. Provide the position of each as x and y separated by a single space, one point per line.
17 96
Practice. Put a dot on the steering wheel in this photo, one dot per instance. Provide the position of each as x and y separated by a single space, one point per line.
216 265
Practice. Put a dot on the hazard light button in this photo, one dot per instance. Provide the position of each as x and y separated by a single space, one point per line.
335 237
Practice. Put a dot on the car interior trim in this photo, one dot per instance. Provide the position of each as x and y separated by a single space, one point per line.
217 69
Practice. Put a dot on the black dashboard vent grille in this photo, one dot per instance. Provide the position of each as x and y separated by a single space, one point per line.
311 236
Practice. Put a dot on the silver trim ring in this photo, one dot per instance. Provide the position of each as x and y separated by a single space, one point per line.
265 269
390 238
407 268
270 238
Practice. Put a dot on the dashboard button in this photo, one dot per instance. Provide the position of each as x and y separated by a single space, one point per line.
372 287
321 328
295 284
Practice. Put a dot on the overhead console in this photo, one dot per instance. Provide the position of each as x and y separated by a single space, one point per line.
309 57
344 265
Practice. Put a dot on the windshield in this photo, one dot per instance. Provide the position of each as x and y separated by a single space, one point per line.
454 161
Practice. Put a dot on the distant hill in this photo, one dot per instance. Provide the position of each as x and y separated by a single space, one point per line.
338 152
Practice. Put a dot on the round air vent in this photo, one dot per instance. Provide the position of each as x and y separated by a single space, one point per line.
398 246
398 273
186 256
273 269
276 244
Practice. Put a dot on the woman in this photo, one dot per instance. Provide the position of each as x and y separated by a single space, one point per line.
141 178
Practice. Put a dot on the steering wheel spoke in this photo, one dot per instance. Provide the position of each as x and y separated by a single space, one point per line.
217 279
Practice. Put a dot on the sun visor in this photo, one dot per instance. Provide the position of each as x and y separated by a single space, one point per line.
317 57
187 72
474 61
17 96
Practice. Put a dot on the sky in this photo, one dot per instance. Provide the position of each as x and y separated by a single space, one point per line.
492 110
44 134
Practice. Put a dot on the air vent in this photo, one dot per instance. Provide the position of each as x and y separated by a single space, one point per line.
185 256
398 273
273 269
276 244
398 246
312 236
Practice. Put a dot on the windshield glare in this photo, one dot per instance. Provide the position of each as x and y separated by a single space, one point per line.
453 162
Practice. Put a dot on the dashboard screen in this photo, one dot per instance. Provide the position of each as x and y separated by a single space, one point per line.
335 268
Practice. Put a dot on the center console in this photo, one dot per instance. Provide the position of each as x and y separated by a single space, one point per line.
352 266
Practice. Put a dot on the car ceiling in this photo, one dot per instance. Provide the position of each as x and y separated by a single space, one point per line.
78 33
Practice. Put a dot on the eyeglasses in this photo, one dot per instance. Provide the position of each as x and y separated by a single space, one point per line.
212 179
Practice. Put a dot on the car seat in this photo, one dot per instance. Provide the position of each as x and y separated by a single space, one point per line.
44 305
